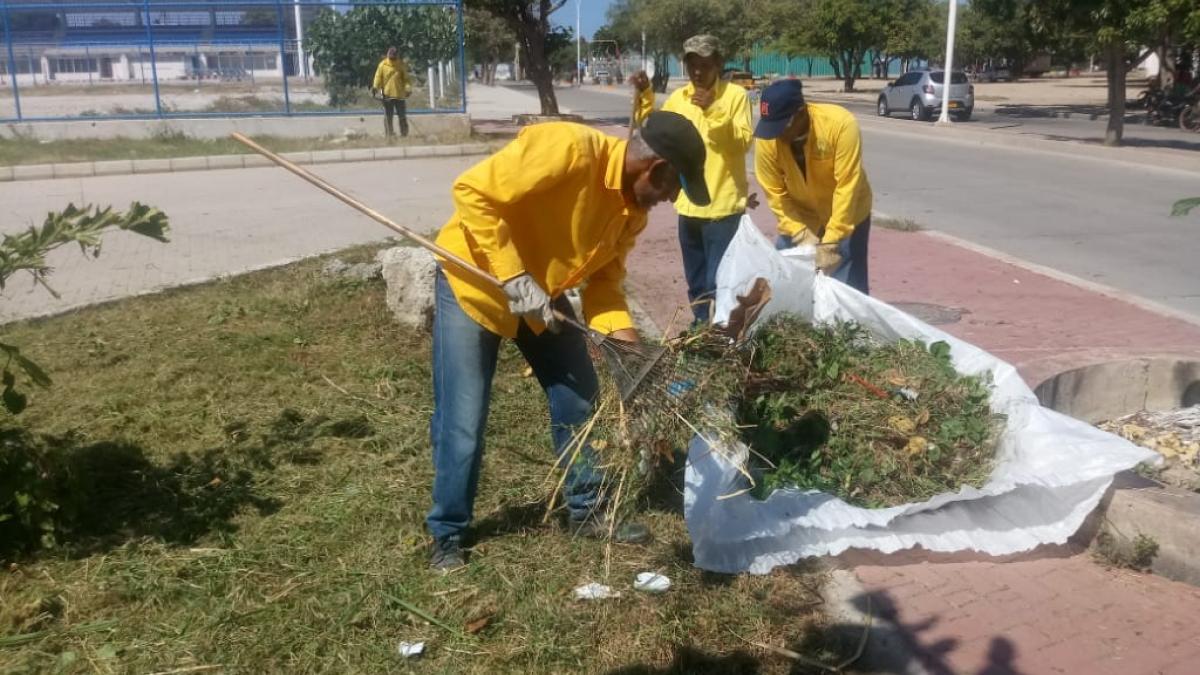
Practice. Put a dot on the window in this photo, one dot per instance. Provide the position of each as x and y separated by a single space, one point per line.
23 66
242 62
956 78
908 79
72 65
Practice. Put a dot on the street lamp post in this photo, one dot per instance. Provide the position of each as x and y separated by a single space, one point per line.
948 76
578 47
301 60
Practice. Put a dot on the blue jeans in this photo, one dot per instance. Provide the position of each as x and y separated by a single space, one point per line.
703 243
853 270
464 361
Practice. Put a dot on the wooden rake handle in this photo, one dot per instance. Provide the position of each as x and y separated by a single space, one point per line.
370 212
378 217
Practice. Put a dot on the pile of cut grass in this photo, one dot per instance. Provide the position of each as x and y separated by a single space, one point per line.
878 425
253 471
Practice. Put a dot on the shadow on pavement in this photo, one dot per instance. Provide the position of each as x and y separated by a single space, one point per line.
897 647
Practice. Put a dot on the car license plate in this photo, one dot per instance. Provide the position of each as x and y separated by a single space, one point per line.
953 104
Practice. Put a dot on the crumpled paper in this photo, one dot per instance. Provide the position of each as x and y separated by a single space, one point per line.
411 649
594 591
652 582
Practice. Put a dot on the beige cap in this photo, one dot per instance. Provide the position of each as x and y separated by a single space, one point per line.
702 45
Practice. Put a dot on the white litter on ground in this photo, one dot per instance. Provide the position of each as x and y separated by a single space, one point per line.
594 591
411 649
651 582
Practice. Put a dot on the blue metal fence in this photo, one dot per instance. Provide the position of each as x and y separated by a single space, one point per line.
148 59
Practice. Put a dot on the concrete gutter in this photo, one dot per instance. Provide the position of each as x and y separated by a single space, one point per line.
123 167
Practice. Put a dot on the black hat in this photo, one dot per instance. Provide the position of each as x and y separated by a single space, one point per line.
675 139
779 101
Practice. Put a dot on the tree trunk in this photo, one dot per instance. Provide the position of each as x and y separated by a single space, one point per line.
662 72
849 71
810 66
537 69
1114 60
837 69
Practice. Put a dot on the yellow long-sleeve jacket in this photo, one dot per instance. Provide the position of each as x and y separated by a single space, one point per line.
548 204
725 128
391 77
835 196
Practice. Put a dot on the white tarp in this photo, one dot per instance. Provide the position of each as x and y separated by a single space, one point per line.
1051 470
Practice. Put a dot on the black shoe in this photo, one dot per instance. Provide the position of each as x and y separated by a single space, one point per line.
598 527
446 555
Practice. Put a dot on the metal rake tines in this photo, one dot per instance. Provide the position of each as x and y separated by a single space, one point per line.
630 363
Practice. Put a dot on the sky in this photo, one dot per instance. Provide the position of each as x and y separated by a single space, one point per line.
591 15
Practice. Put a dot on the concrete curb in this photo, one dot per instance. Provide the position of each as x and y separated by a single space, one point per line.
1167 515
122 167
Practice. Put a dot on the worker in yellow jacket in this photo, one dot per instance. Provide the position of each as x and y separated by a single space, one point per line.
393 84
721 111
643 99
557 208
808 159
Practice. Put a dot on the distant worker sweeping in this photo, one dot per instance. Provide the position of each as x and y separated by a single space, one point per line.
559 207
808 159
394 85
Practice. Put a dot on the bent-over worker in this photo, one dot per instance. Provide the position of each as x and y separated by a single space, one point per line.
558 207
808 159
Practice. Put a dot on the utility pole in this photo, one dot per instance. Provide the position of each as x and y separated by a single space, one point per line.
301 61
578 46
948 77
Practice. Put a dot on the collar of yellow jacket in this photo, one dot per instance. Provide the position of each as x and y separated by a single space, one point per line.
689 89
616 171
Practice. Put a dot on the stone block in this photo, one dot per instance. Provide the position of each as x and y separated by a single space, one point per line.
409 275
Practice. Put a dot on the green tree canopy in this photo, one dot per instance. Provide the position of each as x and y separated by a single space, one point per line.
346 48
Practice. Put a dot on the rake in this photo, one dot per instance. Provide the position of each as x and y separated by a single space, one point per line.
630 363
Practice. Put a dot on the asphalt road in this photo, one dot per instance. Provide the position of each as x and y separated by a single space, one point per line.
612 105
1100 220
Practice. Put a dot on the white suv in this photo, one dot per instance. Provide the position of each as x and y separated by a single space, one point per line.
920 93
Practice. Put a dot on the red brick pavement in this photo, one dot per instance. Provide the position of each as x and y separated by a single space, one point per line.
1056 614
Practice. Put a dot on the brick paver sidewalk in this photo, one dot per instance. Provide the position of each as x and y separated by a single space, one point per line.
1053 611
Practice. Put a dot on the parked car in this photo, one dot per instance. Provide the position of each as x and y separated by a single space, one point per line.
920 93
997 74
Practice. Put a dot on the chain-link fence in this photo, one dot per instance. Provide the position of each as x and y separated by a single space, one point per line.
178 58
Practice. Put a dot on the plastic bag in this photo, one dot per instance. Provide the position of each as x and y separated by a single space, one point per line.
1051 470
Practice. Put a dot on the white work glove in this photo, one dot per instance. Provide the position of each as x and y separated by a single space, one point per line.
828 258
527 299
805 237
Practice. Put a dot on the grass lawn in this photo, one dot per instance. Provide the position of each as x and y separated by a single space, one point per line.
250 472
15 151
